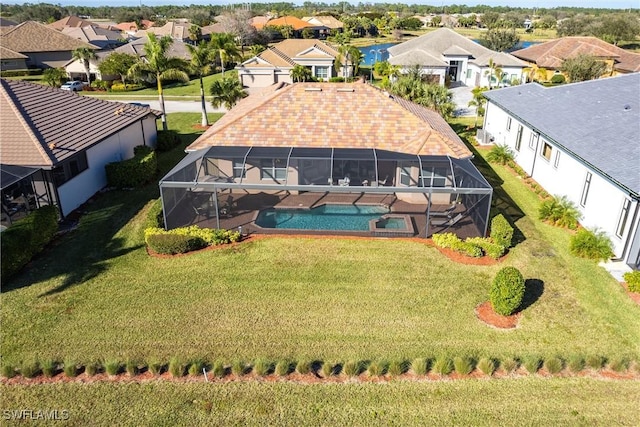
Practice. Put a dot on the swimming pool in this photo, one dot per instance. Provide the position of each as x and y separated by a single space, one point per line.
325 217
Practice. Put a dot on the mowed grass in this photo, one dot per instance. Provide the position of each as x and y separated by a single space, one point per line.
97 294
539 401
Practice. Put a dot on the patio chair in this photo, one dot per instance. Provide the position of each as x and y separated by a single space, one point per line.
449 222
383 181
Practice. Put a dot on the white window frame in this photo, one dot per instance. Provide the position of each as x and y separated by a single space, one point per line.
585 189
273 172
556 159
239 168
532 141
319 75
542 150
509 123
519 137
623 218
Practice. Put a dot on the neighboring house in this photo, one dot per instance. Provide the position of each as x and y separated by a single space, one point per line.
10 60
307 144
175 30
582 141
136 47
550 55
61 141
71 22
97 36
331 23
75 68
274 64
45 47
130 28
258 22
297 25
446 55
4 22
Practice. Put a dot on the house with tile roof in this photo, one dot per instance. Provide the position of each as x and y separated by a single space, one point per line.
444 54
175 30
130 28
97 36
345 142
59 142
550 55
325 21
274 64
581 141
44 46
10 60
297 26
71 21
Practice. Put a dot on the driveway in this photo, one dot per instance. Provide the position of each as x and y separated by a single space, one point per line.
461 97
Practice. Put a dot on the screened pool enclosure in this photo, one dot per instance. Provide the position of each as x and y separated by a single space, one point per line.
229 186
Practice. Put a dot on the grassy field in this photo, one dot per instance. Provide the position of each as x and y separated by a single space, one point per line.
528 401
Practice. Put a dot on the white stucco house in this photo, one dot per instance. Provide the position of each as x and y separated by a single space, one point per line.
54 144
444 52
582 141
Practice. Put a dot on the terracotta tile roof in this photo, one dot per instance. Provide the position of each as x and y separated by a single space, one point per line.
337 115
551 54
32 36
258 22
42 126
10 54
132 26
284 53
295 23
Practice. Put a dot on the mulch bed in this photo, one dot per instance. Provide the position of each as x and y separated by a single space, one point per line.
485 313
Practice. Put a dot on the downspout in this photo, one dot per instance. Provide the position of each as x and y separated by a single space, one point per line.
535 154
426 229
629 235
144 138
55 190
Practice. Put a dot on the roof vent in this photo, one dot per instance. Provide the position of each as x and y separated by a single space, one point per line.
346 89
313 89
627 107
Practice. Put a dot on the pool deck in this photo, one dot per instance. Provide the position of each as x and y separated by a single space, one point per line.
240 210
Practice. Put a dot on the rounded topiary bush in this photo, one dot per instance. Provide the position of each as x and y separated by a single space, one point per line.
507 291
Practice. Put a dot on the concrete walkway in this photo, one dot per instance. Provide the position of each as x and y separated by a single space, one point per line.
461 97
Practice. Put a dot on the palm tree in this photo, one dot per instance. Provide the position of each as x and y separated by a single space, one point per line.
256 49
494 70
478 101
300 73
160 66
201 58
352 56
227 91
224 46
54 76
84 55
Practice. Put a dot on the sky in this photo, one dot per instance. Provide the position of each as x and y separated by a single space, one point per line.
609 4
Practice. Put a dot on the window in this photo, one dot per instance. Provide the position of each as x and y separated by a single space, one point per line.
273 169
545 151
508 123
70 168
556 161
468 73
519 138
434 177
405 175
322 72
585 189
532 141
238 169
624 214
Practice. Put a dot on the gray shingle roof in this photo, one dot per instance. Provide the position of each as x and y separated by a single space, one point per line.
42 126
598 121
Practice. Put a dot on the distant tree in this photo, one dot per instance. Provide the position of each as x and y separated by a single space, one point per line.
300 73
195 33
201 58
436 21
583 67
226 91
413 88
410 24
117 64
546 22
500 40
617 28
307 33
84 55
54 76
575 26
490 19
224 46
256 49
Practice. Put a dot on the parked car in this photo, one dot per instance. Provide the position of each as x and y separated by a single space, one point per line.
139 104
73 86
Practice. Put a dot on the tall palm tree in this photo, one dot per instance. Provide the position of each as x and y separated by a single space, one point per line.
352 57
201 58
224 46
84 55
227 91
478 101
494 71
160 66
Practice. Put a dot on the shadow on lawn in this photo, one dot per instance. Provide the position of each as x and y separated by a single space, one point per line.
533 290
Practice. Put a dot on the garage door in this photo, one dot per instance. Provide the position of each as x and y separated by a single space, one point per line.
257 80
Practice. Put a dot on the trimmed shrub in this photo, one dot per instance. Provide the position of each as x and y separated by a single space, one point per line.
176 367
120 87
632 279
70 368
558 79
131 367
462 365
376 368
218 369
303 367
420 366
553 365
507 291
491 249
155 367
560 211
8 371
531 364
619 364
238 368
134 172
112 367
328 369
49 367
396 367
442 366
25 238
451 241
209 235
509 364
29 369
352 368
171 244
575 363
501 231
283 367
154 218
262 367
595 361
501 154
590 244
92 368
487 366
167 139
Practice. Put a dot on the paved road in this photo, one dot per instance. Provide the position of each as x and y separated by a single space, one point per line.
175 106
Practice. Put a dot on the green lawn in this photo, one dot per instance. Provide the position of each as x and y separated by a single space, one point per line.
527 401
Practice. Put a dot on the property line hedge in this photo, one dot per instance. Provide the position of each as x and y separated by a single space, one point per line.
134 172
186 239
27 237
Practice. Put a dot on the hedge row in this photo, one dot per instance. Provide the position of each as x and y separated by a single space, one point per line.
633 280
472 247
440 366
186 239
134 172
27 237
20 73
167 140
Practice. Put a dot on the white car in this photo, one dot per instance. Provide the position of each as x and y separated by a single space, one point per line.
73 86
